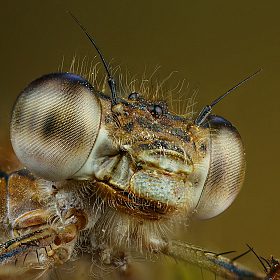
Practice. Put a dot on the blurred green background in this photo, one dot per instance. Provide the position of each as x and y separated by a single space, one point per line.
212 44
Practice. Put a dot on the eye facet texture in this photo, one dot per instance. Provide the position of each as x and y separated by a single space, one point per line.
226 172
55 122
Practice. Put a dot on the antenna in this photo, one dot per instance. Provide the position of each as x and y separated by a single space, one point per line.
111 80
265 269
205 112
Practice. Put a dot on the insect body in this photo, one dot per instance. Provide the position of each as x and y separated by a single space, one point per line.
146 162
116 172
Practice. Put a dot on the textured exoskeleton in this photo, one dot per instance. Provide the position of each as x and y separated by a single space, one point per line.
118 174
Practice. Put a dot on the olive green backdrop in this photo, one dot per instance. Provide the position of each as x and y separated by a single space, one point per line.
212 44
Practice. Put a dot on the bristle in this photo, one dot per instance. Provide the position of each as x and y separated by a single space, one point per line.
150 87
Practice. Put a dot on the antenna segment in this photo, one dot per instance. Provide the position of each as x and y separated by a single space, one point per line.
205 112
111 80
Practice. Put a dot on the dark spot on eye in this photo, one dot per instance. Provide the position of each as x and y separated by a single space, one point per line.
203 147
54 187
108 118
128 127
133 95
51 124
156 110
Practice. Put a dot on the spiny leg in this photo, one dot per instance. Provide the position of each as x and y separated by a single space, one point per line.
215 263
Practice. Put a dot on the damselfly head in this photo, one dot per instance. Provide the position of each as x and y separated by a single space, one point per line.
148 163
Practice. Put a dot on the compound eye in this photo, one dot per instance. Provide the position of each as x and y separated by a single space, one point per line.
54 125
226 171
